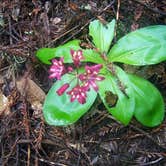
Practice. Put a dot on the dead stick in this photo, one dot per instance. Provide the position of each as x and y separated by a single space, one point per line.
147 135
11 152
62 35
29 155
150 8
108 6
117 13
10 30
141 131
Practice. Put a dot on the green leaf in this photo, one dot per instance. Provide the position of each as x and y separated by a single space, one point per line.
47 54
124 108
59 111
102 34
92 56
149 108
141 47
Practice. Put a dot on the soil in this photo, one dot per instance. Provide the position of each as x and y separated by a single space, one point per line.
96 139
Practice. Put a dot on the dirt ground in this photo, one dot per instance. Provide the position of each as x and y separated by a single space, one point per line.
96 139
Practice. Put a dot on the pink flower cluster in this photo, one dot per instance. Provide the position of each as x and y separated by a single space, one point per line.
57 69
85 81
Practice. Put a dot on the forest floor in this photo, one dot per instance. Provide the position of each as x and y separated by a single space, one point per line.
96 139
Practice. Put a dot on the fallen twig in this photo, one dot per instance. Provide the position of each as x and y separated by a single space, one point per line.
142 132
147 135
81 28
62 35
150 8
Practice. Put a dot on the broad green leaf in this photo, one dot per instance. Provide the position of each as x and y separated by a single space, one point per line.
59 111
141 47
149 108
47 54
124 108
92 56
102 34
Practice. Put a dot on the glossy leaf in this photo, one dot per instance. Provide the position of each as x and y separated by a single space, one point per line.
124 108
149 108
102 34
45 55
59 111
92 56
141 47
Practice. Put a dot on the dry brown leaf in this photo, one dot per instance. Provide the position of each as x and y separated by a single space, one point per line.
134 26
138 13
55 20
34 94
4 105
73 6
37 107
78 146
67 154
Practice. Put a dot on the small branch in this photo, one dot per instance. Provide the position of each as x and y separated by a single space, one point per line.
29 155
117 13
147 135
81 28
150 8
77 32
62 35
143 164
108 6
11 152
46 161
10 30
152 162
141 131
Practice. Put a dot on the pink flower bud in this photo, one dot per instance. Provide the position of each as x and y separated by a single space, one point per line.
77 56
62 89
69 69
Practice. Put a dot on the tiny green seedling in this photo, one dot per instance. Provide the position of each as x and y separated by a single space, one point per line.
82 73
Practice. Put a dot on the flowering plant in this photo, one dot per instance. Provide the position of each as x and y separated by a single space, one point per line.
84 70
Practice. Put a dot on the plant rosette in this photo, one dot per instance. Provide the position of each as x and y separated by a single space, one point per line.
81 74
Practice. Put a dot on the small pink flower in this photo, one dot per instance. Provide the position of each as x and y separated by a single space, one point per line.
91 76
78 93
76 56
57 69
62 89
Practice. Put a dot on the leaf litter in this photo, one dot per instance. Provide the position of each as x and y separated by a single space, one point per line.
97 139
